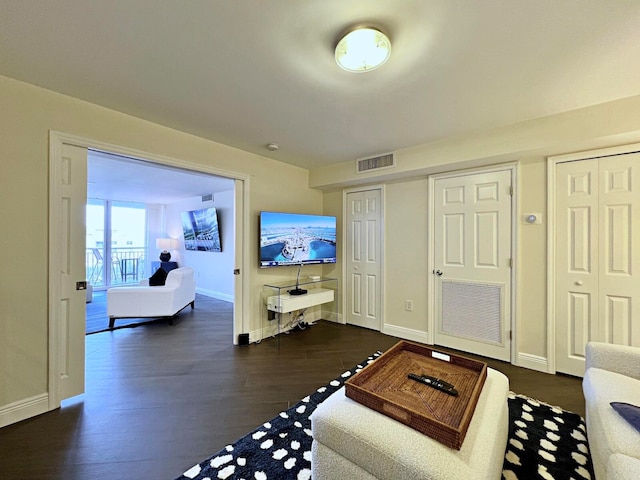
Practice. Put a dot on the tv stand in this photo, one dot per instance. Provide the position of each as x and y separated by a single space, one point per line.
284 304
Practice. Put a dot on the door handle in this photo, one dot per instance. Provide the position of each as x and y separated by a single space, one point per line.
579 282
438 272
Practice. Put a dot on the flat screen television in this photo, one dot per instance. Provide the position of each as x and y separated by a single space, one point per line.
296 239
200 228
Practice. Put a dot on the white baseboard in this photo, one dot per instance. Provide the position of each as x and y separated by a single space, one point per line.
332 316
533 362
213 294
23 409
407 333
256 336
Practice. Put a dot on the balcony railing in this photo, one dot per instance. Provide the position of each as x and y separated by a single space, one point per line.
126 266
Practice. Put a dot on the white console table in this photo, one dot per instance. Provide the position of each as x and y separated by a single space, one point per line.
279 303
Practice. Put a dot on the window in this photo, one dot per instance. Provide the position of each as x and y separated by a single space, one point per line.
110 224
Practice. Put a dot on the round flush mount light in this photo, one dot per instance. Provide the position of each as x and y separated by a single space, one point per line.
362 49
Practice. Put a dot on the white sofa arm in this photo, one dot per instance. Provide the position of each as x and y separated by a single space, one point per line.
614 358
622 467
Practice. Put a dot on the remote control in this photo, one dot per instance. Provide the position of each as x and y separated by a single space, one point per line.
434 383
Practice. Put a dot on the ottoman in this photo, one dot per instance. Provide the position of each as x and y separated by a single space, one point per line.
352 441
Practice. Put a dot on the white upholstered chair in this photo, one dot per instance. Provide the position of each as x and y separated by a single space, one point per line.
143 301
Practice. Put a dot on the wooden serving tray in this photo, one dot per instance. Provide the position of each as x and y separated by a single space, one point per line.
383 386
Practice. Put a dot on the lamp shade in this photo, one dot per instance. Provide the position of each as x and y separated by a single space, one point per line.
363 49
164 243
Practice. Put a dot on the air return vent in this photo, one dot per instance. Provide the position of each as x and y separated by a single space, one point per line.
376 163
207 198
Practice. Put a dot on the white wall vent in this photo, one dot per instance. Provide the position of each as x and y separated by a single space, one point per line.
207 198
387 160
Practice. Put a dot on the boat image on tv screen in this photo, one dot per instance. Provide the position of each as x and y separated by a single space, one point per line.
294 239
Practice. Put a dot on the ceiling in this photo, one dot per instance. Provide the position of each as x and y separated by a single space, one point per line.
246 73
112 177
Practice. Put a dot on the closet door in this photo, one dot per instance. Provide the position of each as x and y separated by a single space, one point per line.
620 250
598 256
577 276
363 260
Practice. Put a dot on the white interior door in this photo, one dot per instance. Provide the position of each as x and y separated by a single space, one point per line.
598 256
577 221
472 263
363 258
619 240
68 299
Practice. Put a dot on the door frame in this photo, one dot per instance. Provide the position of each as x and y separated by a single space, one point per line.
345 192
552 163
512 167
242 225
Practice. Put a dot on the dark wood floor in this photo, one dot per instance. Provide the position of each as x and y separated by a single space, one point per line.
162 398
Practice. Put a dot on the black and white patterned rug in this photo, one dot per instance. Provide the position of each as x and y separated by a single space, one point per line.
545 443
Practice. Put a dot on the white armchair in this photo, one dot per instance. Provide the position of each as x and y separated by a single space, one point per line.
143 301
612 375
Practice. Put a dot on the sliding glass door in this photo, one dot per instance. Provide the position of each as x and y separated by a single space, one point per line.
95 254
116 242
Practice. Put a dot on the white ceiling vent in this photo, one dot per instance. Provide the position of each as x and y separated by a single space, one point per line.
207 198
387 160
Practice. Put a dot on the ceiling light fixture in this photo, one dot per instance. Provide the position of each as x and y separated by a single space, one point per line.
362 49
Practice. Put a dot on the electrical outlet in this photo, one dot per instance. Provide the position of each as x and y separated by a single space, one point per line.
408 305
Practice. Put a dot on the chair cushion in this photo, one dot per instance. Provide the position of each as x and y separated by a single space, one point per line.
159 278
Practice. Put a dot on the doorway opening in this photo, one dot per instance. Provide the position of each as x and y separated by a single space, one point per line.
133 206
68 176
